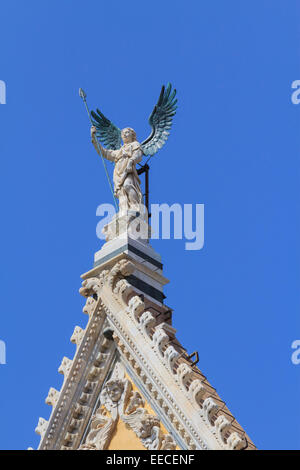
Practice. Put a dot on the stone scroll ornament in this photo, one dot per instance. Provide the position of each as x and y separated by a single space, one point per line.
127 185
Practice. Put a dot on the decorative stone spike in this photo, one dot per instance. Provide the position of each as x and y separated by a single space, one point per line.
235 442
222 425
184 374
136 307
41 427
77 335
89 307
210 408
65 366
52 398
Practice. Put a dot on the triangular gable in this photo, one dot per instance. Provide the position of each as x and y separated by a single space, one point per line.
134 330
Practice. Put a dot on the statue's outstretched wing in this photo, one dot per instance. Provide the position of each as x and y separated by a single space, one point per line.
161 120
108 134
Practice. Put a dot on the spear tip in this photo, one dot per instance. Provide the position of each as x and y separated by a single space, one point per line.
82 94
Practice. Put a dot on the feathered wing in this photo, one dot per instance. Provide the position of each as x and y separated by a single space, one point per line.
108 134
134 419
100 433
161 120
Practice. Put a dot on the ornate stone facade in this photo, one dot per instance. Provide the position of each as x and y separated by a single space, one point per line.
130 372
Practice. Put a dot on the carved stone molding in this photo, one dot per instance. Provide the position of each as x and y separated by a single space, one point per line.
72 406
188 404
183 374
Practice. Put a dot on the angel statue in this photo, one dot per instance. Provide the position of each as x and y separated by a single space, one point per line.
127 185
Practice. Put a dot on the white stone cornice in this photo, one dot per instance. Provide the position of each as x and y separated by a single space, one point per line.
184 400
82 379
195 417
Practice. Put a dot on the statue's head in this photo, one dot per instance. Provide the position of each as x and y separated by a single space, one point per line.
128 135
114 389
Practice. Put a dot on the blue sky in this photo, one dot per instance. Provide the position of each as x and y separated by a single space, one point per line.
234 147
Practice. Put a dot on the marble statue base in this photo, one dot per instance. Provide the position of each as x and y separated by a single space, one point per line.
131 224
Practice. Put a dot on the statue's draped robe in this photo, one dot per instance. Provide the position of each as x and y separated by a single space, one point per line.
126 180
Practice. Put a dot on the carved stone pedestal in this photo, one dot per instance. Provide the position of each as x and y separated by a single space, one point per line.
147 276
133 224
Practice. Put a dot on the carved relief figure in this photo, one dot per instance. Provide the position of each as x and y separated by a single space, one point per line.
118 401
